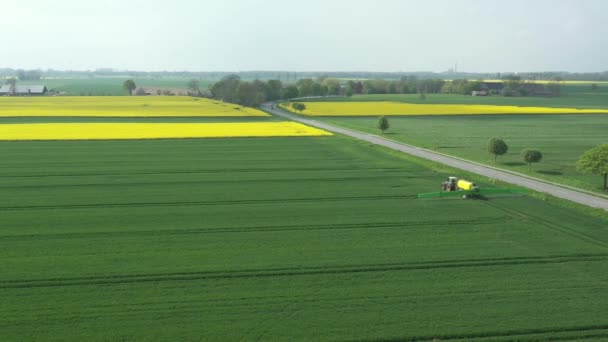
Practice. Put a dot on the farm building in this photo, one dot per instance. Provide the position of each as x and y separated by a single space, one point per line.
23 90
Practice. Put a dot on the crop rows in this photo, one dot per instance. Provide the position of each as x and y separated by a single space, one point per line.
135 131
121 106
283 272
283 238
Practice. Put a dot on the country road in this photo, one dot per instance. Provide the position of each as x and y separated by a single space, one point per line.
555 190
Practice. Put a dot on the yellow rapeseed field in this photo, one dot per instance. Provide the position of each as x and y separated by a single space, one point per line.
121 106
132 131
398 108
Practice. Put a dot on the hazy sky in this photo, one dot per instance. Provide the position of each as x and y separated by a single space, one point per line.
311 35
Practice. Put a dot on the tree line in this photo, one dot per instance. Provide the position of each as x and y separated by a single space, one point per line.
253 93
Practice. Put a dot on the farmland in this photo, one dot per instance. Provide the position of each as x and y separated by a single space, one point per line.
110 86
121 106
404 109
133 131
317 238
561 138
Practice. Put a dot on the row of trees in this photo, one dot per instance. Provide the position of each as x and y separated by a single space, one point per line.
29 75
512 86
234 90
252 93
594 161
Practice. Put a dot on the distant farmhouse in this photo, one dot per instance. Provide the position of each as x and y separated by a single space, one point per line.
23 90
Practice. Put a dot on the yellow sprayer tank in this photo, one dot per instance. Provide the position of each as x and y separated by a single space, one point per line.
465 185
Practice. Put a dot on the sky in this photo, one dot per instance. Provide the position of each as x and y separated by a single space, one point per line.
311 35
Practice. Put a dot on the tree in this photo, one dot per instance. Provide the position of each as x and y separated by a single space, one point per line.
22 75
129 85
305 87
383 124
299 107
595 161
358 87
12 82
554 88
273 89
245 94
318 90
291 92
195 86
333 86
531 156
226 88
497 147
348 90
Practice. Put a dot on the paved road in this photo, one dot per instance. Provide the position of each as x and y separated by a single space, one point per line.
558 191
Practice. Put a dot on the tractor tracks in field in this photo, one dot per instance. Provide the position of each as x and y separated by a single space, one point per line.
289 272
205 182
550 334
199 172
554 226
206 203
263 229
480 169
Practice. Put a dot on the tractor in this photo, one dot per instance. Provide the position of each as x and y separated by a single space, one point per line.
454 187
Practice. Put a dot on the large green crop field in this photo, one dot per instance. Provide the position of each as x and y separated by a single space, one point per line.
281 239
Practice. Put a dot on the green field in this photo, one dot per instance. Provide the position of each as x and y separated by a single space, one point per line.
561 138
307 239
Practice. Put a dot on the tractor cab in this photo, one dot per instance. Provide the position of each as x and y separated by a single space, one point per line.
450 184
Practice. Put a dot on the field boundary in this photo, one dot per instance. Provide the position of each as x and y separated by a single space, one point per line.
558 190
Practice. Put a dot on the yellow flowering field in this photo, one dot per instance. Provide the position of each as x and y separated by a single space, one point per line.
121 106
132 131
398 108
